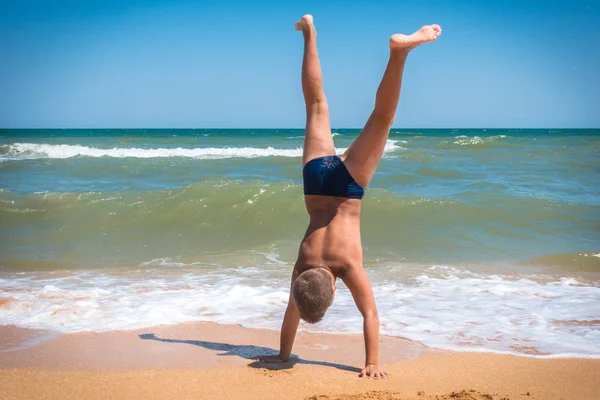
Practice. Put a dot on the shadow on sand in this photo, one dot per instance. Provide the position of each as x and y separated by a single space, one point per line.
249 352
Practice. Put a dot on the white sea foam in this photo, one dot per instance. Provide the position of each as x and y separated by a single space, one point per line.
33 150
169 262
475 140
442 307
18 151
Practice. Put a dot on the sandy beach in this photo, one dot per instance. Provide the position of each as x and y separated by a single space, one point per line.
209 361
408 184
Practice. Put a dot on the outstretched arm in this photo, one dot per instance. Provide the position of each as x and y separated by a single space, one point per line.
288 330
289 326
360 287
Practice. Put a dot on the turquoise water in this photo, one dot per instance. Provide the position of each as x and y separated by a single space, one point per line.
489 212
439 195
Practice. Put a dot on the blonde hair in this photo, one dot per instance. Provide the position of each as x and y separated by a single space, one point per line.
313 294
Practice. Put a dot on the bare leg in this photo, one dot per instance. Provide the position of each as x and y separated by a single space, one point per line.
363 156
318 141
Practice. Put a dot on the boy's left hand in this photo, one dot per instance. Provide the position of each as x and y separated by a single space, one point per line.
373 371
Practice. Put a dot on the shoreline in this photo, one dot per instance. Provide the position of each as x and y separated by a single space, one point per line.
19 338
209 360
44 349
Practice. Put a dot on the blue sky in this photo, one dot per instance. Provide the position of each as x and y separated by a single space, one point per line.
210 64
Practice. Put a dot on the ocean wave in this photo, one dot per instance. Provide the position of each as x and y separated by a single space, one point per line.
234 214
463 140
226 196
18 151
302 136
589 261
442 306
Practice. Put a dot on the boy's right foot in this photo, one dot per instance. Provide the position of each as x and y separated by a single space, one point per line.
427 33
305 24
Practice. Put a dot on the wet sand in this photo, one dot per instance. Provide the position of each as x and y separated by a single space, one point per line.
212 361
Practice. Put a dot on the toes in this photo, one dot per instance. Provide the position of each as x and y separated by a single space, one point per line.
307 19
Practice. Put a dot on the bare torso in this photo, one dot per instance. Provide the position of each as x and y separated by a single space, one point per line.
332 239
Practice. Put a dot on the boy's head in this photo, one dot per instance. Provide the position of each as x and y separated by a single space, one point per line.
313 293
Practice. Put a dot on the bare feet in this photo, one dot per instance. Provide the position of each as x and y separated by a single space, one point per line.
428 33
305 24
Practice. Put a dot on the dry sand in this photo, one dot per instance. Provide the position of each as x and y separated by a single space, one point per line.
210 361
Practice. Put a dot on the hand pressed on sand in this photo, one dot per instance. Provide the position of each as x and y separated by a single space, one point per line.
373 371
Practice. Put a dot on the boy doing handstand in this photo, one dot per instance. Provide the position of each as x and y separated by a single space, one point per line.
333 189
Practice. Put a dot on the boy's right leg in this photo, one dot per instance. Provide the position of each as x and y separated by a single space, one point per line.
318 141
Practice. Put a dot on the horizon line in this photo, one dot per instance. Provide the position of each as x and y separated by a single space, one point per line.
300 128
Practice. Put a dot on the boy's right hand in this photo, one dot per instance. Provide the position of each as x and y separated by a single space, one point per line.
277 359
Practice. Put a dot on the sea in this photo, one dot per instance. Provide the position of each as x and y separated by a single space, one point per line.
474 239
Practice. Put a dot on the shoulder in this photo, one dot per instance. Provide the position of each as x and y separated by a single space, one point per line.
351 271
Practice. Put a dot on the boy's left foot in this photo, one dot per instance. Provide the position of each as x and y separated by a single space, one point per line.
306 24
427 33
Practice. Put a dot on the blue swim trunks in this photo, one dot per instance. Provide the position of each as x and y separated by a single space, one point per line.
328 176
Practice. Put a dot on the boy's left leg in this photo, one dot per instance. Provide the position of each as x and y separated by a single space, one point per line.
363 156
